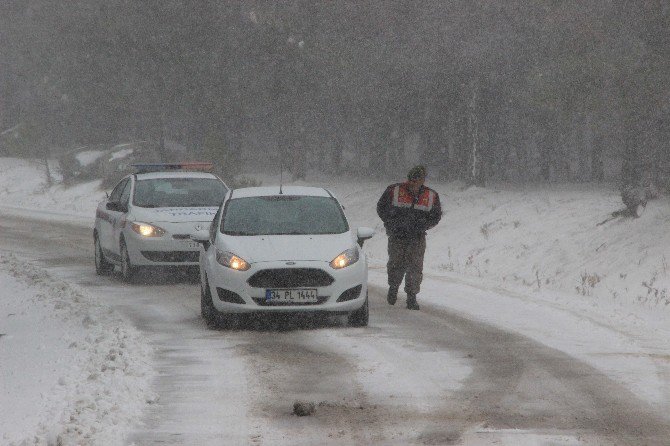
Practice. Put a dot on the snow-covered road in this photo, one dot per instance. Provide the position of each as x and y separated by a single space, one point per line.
428 377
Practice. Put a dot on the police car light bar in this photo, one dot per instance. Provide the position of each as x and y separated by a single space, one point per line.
162 167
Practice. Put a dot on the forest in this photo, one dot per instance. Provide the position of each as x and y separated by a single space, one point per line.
478 90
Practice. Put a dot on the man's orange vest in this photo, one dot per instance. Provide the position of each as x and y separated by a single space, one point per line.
402 198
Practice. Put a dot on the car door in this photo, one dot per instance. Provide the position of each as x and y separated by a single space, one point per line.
110 217
122 213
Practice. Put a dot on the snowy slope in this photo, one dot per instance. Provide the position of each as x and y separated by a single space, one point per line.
531 260
23 189
539 238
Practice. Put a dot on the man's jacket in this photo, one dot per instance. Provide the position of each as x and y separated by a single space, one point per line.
408 216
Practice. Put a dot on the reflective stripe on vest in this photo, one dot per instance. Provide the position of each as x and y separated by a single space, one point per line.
403 199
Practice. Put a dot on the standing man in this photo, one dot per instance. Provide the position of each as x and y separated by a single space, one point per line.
408 210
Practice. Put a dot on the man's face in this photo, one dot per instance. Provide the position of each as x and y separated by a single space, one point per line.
415 184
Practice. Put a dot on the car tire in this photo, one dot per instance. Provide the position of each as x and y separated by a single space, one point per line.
102 266
360 317
192 274
128 271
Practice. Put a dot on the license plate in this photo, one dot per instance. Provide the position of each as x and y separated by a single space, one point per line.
190 244
286 295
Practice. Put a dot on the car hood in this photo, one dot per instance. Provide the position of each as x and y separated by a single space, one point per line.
271 248
174 215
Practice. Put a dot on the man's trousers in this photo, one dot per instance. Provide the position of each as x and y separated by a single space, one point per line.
406 260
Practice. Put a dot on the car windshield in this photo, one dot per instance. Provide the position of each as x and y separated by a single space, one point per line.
281 215
179 192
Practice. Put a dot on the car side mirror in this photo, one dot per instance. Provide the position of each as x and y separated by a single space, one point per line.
116 206
202 238
363 233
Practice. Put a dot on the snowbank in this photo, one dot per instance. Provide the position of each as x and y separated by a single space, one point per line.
24 190
88 157
72 372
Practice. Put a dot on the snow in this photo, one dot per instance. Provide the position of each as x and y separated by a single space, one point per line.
531 260
23 191
516 258
121 154
72 372
11 129
423 395
88 157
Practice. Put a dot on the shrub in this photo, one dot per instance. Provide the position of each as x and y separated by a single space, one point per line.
244 181
227 160
589 281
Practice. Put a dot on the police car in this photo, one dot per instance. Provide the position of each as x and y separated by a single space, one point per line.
149 216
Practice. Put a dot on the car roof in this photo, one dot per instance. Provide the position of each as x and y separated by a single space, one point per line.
267 191
154 175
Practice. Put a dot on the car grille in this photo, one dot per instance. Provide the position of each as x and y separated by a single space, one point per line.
172 256
262 302
290 278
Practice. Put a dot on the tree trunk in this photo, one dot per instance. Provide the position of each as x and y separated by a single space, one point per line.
475 161
630 169
448 133
630 172
47 153
337 149
161 139
597 169
545 162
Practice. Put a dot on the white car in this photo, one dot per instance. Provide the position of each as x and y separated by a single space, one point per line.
278 250
149 217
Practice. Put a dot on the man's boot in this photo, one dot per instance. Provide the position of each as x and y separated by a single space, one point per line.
392 295
412 304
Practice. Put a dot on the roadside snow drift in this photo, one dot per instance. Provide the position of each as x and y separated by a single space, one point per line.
71 370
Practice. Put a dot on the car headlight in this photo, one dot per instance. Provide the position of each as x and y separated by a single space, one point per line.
348 257
230 260
147 230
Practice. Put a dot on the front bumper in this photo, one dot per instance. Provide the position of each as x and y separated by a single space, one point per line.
232 292
161 251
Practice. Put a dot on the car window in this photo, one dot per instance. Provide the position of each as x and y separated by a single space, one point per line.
115 196
179 192
283 214
125 195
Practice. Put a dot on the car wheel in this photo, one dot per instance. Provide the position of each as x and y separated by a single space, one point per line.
193 274
102 266
127 269
360 317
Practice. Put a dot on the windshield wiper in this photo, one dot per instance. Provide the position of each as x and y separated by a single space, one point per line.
239 233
